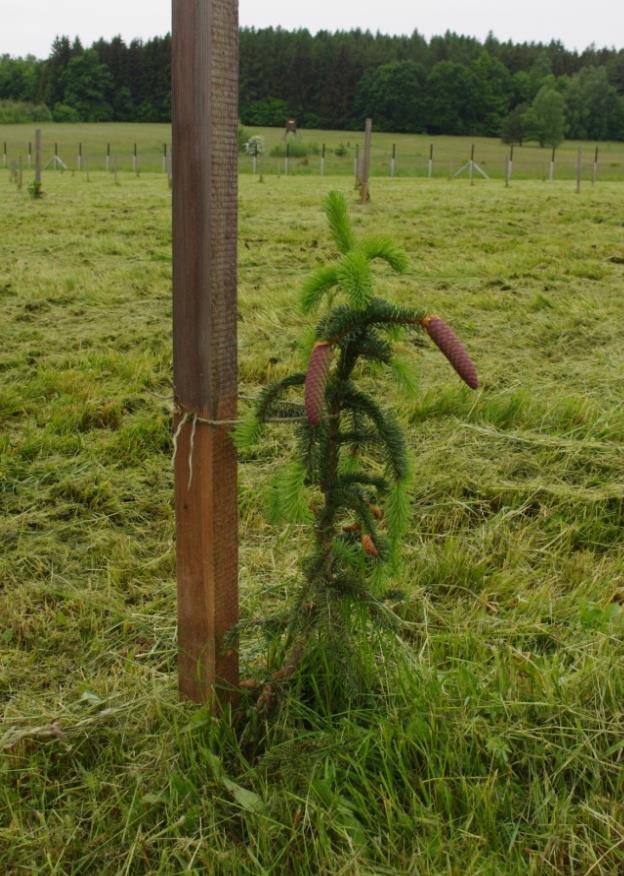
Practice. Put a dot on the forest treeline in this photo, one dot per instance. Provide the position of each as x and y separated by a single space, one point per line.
450 84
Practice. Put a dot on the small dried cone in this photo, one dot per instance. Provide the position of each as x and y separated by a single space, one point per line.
369 546
376 512
250 684
316 382
447 341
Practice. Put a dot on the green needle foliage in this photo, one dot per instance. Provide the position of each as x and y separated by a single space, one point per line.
345 439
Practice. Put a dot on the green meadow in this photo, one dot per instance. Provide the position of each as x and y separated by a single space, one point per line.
412 151
486 734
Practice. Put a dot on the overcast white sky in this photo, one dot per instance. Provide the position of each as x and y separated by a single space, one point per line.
29 26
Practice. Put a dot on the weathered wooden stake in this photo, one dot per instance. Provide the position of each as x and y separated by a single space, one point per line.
323 160
205 159
5 155
595 168
430 164
135 161
393 160
287 158
509 166
164 161
38 158
551 172
368 137
29 155
108 156
80 156
472 164
579 169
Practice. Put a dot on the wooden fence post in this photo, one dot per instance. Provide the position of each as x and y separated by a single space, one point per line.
551 172
430 164
323 160
20 173
38 158
29 155
205 159
287 158
595 168
164 161
393 160
5 156
472 164
80 156
108 156
365 172
135 161
579 169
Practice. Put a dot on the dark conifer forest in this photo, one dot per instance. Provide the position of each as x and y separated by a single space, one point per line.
451 84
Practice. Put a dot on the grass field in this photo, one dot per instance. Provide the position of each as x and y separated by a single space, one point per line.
450 153
490 737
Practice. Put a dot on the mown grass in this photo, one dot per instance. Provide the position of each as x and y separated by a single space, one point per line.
412 152
488 737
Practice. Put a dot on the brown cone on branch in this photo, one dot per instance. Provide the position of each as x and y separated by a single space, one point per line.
316 381
369 546
448 343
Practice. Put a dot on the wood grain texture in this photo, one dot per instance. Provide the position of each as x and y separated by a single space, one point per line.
205 154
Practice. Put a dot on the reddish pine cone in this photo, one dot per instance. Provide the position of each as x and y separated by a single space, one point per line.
447 341
369 546
316 381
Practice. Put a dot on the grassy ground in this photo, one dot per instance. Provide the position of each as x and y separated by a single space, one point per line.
490 739
450 153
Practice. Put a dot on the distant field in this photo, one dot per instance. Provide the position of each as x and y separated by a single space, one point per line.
488 742
450 153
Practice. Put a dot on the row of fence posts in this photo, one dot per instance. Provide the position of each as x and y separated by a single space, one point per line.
81 162
471 166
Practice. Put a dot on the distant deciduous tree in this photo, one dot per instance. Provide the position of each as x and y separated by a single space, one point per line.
546 118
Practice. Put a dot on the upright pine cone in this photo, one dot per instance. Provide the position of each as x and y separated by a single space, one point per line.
447 341
316 381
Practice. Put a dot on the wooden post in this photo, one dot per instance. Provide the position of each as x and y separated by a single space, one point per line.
287 158
164 161
551 172
509 166
56 156
135 161
323 160
430 164
5 156
108 156
595 168
38 158
368 136
205 159
579 168
80 156
29 155
20 173
393 160
170 173
471 166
